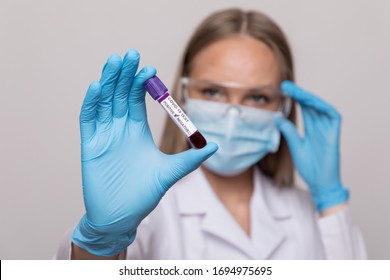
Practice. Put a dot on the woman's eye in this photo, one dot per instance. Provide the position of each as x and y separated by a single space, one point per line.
260 99
211 92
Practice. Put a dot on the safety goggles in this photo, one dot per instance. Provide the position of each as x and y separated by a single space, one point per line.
263 97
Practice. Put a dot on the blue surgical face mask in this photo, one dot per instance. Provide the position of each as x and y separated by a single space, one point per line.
244 135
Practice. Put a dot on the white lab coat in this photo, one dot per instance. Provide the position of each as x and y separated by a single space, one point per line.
191 223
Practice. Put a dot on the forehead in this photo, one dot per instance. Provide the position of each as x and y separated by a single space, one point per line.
241 59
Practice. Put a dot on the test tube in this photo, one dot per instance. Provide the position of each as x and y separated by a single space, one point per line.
159 92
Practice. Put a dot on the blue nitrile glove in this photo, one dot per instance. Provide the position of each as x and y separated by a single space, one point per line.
316 155
124 174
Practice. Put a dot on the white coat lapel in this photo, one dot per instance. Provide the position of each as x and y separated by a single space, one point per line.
197 198
221 224
269 210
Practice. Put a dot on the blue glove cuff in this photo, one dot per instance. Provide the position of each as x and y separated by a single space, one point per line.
326 198
98 240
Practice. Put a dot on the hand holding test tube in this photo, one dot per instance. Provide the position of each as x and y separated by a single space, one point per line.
160 93
124 173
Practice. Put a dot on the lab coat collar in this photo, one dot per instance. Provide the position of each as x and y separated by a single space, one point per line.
268 209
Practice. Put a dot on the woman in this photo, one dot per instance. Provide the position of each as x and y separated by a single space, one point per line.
235 83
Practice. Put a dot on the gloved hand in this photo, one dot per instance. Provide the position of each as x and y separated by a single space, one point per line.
316 155
124 174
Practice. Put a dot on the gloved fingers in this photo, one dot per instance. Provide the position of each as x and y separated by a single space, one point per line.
185 162
136 99
306 99
179 165
108 82
88 111
318 125
125 80
310 118
290 133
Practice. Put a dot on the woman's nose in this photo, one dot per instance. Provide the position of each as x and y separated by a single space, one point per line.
235 98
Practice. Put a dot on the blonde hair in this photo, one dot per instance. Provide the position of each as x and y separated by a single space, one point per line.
278 166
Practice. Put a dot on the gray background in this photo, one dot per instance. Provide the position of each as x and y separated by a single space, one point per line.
51 51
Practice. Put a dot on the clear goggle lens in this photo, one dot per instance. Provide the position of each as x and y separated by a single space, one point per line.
262 97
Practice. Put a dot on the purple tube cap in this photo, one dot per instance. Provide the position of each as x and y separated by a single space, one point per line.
155 87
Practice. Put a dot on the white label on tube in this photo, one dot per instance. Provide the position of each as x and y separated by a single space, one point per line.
178 116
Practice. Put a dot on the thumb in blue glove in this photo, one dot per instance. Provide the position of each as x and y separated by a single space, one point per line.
316 155
124 173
